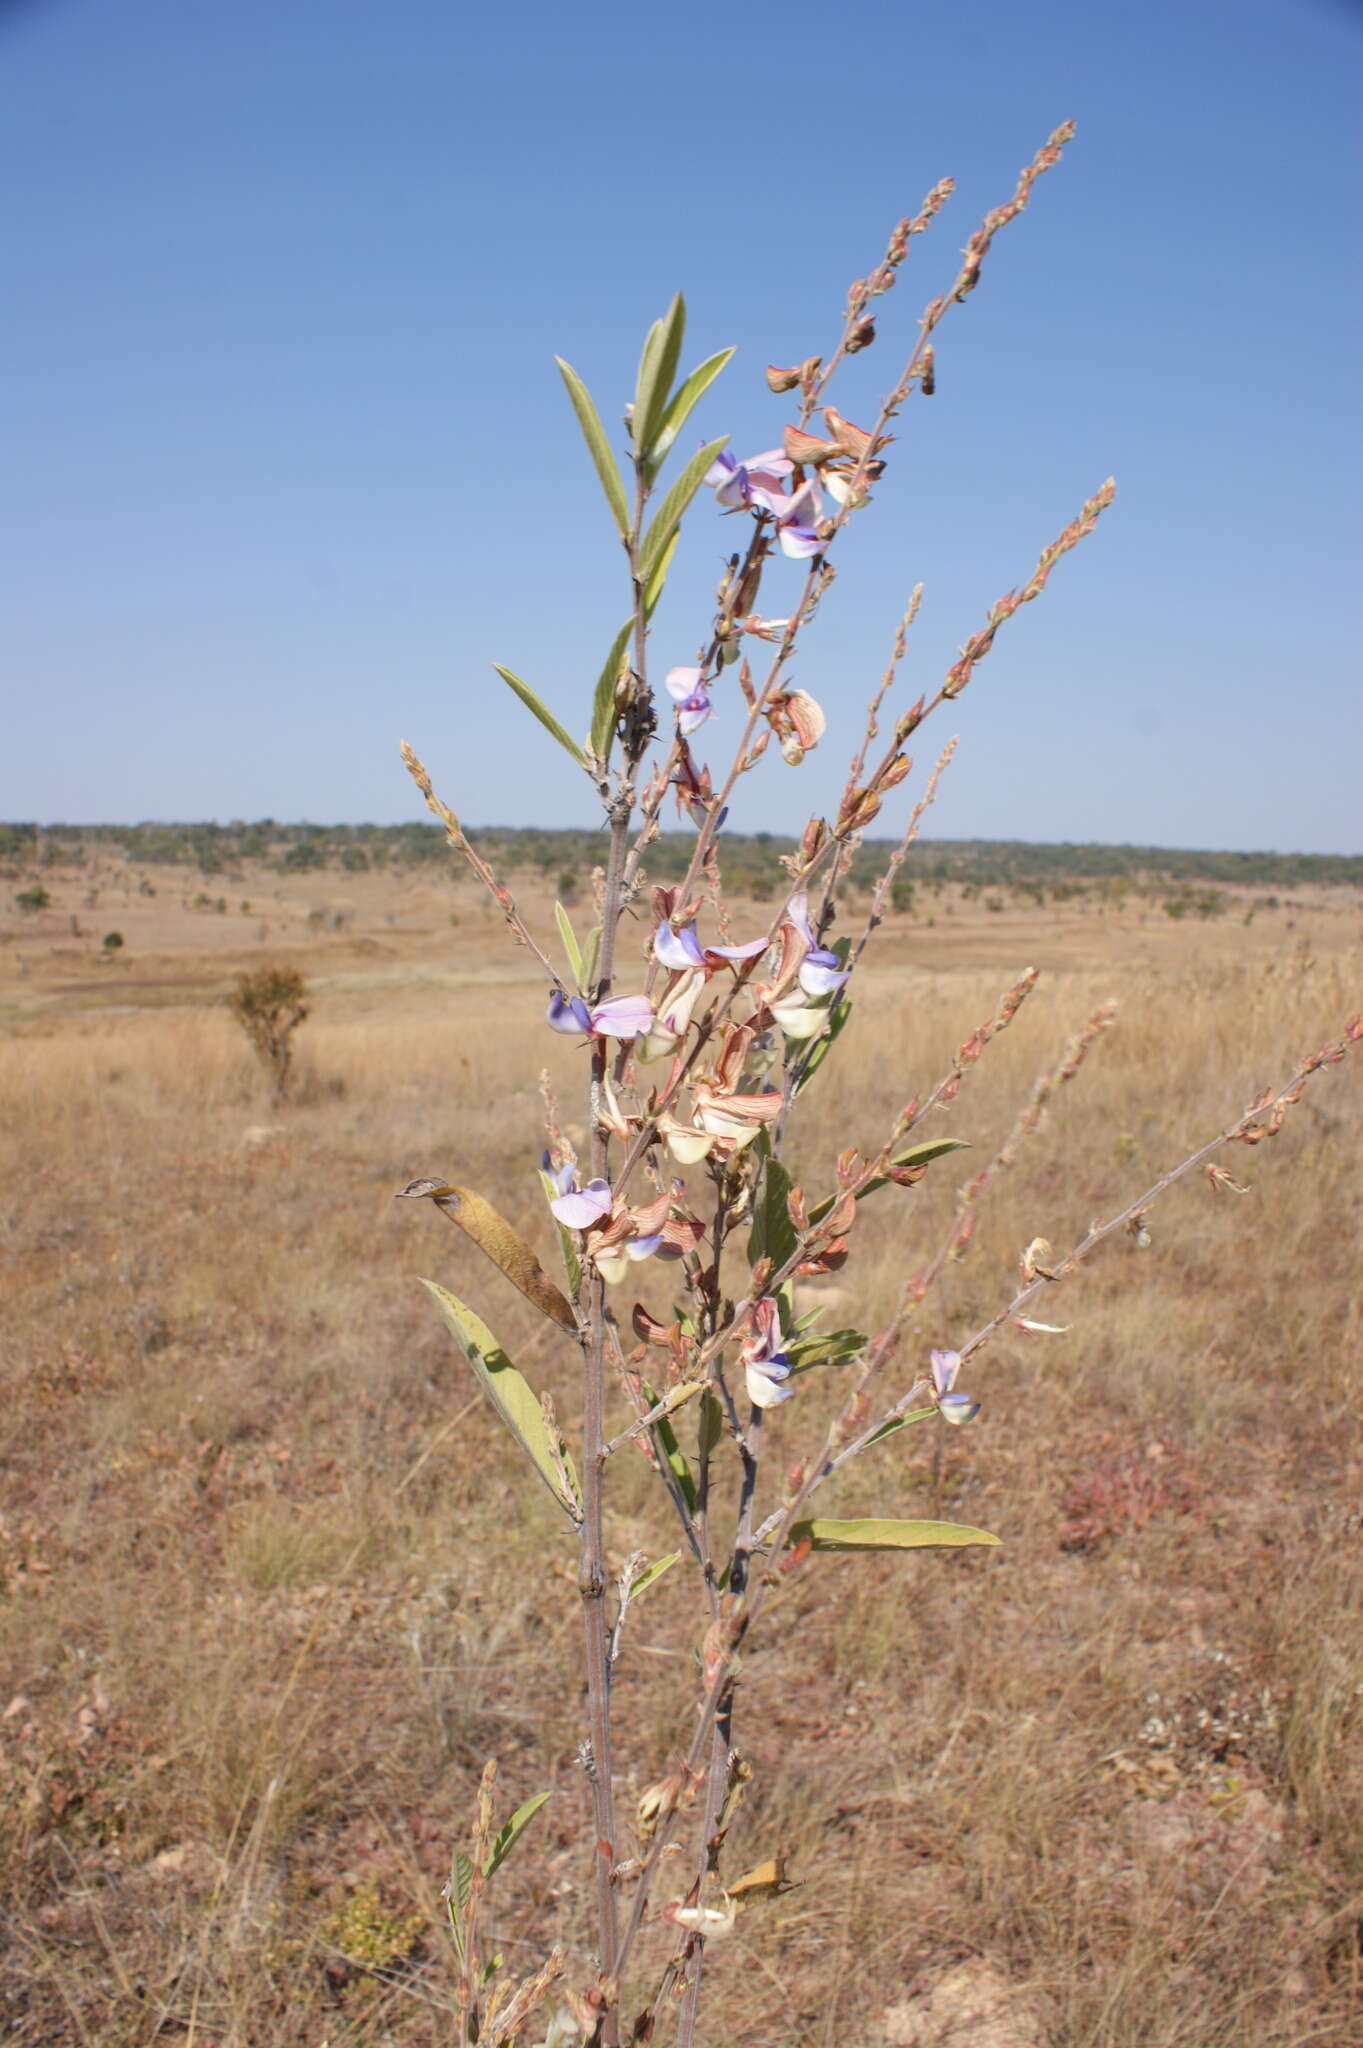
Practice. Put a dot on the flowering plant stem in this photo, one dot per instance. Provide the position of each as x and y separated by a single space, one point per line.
738 1031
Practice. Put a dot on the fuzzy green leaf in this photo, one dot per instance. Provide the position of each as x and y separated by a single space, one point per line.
667 1443
875 1534
597 445
916 1155
654 588
710 1426
603 703
683 404
513 1398
651 1574
570 945
900 1422
461 1882
506 1838
657 368
673 509
572 1265
542 713
834 1348
823 1045
773 1235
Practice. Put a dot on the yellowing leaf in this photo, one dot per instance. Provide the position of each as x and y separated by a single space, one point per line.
513 1398
767 1881
502 1243
872 1533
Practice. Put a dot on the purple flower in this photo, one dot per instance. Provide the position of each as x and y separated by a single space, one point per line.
952 1407
796 521
617 1017
682 950
764 1362
678 950
579 1208
758 481
564 1177
687 687
821 971
568 1013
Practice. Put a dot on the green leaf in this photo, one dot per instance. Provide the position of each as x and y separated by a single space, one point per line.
683 404
591 955
657 368
572 1265
773 1235
513 1398
822 1046
710 1426
597 445
875 1534
507 1838
667 1443
570 945
461 1883
835 1348
603 703
899 1422
542 713
654 588
672 511
917 1155
651 1574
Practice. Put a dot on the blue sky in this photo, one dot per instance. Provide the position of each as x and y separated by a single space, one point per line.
287 465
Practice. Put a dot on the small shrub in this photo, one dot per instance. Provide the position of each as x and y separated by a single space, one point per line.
269 1007
111 943
34 899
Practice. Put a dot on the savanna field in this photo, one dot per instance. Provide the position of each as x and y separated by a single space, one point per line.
273 1584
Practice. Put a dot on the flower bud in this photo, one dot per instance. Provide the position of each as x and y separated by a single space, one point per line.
862 335
782 380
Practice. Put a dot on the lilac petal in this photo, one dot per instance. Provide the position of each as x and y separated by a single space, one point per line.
799 542
797 911
622 1017
748 952
721 469
807 505
682 683
643 1247
945 1366
568 1013
735 491
773 462
692 715
700 812
821 972
562 1178
957 1408
678 949
764 1388
584 1207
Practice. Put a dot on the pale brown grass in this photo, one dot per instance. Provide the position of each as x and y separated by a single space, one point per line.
266 1611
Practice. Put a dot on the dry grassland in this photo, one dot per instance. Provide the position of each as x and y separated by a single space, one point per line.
272 1586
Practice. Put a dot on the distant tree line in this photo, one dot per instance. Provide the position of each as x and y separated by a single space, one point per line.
751 861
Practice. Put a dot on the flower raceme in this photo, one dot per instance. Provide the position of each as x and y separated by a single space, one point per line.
616 1235
758 485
